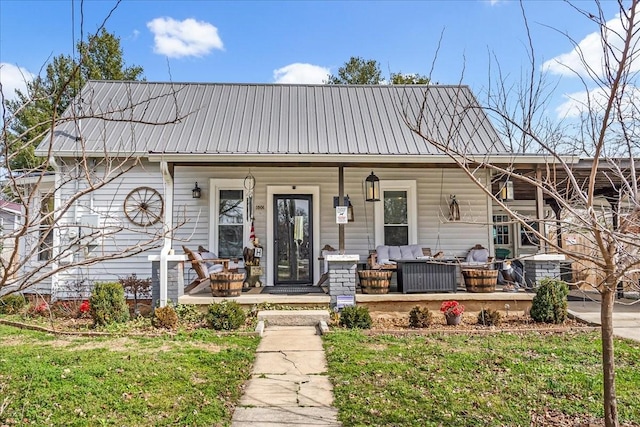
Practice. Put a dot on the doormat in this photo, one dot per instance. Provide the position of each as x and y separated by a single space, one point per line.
292 290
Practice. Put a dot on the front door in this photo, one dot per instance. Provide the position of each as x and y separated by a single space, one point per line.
293 245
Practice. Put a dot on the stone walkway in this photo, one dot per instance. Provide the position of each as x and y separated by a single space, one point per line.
289 386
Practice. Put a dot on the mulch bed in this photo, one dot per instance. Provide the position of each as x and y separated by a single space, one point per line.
398 323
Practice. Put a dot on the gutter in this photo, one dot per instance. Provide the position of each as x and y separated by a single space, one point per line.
506 158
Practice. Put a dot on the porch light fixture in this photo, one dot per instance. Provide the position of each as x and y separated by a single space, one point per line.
372 188
196 192
347 203
506 190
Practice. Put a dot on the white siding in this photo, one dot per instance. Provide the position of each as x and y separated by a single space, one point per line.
433 189
434 186
108 203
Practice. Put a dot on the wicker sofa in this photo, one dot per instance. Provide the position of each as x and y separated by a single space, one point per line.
381 258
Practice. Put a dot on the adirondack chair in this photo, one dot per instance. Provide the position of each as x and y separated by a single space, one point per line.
204 266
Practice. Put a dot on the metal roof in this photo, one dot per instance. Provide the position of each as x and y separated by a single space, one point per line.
311 120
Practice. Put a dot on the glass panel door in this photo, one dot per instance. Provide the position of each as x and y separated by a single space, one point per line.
292 239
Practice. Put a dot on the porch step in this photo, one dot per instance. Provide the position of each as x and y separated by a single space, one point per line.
293 317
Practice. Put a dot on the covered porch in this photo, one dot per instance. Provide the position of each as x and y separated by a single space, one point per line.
388 303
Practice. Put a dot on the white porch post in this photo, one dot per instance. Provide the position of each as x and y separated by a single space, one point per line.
167 221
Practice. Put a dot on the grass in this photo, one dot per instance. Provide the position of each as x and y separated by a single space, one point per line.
190 378
466 380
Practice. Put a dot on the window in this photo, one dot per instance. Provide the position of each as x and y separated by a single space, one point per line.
395 215
527 238
396 226
501 227
230 223
45 234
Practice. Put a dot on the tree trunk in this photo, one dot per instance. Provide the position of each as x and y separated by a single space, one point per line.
608 361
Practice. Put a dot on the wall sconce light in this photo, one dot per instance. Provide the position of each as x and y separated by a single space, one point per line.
506 191
347 203
372 188
196 192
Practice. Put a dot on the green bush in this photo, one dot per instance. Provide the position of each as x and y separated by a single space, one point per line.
420 317
353 317
225 316
189 313
12 304
549 305
108 304
164 318
488 317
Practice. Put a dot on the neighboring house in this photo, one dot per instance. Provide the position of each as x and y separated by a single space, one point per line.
272 158
10 220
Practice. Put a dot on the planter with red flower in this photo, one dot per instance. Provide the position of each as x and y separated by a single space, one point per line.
452 311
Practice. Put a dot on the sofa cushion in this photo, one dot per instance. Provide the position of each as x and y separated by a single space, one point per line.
215 268
395 252
480 255
407 252
382 254
416 251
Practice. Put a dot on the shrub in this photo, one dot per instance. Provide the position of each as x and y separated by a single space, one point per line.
188 313
353 317
108 304
140 288
225 316
164 317
549 305
488 317
12 304
420 317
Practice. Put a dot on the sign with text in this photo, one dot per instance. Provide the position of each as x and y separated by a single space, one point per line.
341 215
345 301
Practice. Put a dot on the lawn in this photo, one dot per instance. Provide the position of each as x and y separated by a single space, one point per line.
190 378
465 380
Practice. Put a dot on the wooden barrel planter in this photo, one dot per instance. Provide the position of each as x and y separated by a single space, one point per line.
226 284
375 281
479 280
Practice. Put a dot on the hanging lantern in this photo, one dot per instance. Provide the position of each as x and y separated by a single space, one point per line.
506 190
372 188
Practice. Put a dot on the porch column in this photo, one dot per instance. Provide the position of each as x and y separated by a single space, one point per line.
167 178
175 278
544 247
341 202
342 280
541 266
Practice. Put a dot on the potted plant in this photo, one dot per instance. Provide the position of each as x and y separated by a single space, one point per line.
452 311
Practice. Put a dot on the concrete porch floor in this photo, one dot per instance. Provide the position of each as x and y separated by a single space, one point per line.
391 302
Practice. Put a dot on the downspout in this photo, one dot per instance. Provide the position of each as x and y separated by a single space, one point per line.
166 225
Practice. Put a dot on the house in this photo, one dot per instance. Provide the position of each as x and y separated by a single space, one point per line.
10 220
211 164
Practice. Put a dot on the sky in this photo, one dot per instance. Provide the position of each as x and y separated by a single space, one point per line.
452 41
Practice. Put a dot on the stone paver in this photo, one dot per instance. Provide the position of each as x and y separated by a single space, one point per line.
287 386
290 362
285 416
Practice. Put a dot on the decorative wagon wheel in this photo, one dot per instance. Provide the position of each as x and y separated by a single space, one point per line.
144 206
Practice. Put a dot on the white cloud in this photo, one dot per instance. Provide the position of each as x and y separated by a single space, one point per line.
596 101
301 73
13 78
177 39
589 54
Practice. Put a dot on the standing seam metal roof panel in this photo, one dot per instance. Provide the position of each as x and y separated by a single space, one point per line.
274 119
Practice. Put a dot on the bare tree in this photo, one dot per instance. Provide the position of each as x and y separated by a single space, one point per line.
603 233
51 236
